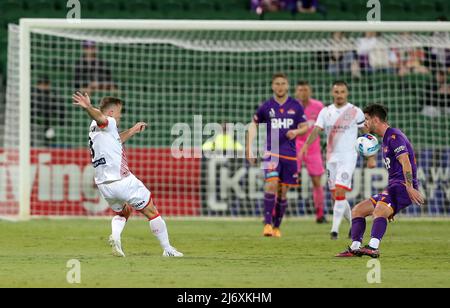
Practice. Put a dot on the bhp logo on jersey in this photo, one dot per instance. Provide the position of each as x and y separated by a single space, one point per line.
282 123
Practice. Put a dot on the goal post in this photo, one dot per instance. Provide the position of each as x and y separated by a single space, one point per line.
24 120
234 25
170 71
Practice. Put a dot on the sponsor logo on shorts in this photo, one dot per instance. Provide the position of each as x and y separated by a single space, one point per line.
99 162
140 204
345 176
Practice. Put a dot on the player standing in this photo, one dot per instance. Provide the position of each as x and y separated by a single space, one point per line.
340 121
285 120
313 159
114 180
402 191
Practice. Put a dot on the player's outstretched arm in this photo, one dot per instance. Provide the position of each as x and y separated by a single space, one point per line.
84 101
413 193
311 138
301 130
138 128
252 133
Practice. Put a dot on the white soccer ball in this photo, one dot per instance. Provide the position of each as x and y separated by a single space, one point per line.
367 145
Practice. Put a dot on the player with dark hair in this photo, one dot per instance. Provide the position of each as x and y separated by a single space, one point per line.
285 120
402 191
340 121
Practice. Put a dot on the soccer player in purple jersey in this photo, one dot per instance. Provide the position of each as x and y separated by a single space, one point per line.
285 120
402 191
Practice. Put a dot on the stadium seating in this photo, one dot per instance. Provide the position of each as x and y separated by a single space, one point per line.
7 6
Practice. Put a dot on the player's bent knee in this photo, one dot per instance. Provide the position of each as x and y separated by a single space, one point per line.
340 193
283 192
272 188
126 212
382 211
363 209
317 181
150 211
358 212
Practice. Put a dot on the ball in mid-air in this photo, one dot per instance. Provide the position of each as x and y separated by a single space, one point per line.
367 145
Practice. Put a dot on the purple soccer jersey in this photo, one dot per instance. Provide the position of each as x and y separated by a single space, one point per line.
395 143
281 118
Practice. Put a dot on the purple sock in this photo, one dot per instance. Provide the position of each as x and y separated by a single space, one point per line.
379 228
280 210
269 205
358 229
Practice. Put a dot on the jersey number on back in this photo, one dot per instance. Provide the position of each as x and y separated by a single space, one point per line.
91 146
387 162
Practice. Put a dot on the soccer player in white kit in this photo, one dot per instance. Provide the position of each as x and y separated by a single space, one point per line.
341 122
120 188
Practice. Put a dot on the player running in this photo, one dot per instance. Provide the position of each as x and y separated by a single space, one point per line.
116 183
313 159
340 121
285 120
402 191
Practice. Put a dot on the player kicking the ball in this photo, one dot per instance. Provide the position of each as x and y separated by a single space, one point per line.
285 120
402 191
120 188
340 121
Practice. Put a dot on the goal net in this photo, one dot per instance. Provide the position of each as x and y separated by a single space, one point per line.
186 78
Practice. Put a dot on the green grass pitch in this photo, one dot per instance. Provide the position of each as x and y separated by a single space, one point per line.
218 254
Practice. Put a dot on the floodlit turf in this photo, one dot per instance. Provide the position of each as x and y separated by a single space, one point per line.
218 254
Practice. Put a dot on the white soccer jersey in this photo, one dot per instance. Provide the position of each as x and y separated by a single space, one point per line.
341 127
108 155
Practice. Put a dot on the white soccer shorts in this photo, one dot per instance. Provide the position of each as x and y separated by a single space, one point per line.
340 173
128 190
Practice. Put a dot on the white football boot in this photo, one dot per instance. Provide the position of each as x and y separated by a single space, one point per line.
172 252
116 248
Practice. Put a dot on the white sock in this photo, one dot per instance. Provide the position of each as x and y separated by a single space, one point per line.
374 243
159 229
117 224
355 246
348 212
338 214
